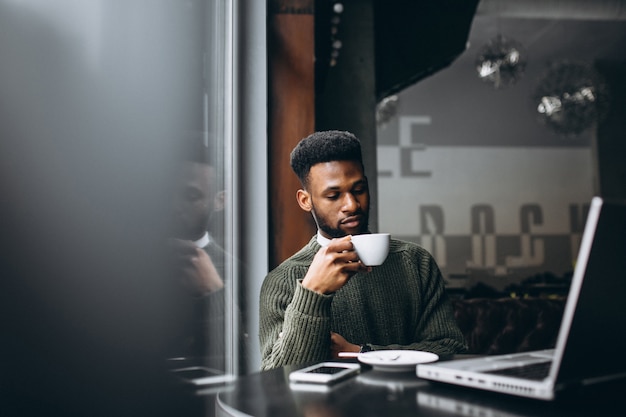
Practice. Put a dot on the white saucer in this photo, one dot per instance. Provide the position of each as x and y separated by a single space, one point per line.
396 360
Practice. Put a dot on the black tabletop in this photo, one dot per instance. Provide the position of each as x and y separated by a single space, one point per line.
376 393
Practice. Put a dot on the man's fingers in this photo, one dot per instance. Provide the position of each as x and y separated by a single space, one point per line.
343 251
340 245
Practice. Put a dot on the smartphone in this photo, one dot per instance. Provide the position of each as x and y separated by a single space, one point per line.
325 372
198 375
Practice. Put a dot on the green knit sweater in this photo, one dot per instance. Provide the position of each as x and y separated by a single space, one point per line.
401 304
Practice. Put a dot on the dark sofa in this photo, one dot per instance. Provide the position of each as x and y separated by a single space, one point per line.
508 325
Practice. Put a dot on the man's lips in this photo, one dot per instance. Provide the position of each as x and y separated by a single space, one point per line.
351 221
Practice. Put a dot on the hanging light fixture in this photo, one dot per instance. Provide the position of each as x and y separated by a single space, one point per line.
501 62
386 109
571 97
335 42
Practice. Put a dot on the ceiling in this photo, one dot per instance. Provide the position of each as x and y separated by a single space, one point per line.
427 36
555 9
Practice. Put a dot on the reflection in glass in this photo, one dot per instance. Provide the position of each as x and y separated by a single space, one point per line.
95 100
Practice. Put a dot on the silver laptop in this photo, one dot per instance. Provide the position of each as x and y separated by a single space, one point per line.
592 338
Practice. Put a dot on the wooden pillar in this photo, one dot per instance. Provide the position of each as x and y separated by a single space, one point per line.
291 113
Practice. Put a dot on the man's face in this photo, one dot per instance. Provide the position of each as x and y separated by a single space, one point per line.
338 198
193 202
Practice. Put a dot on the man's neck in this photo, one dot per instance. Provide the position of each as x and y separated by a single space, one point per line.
322 240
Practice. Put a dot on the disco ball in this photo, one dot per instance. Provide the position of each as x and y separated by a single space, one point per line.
501 62
386 109
571 97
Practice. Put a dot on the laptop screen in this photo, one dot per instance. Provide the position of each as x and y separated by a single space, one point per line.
596 344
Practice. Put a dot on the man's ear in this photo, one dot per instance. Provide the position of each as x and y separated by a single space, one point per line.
304 200
219 202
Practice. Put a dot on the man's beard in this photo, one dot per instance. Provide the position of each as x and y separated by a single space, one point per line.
333 232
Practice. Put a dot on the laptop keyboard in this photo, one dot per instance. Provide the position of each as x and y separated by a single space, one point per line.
535 371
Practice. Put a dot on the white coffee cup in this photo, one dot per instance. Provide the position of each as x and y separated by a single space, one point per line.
372 248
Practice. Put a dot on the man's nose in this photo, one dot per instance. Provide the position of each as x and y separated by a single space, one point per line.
350 203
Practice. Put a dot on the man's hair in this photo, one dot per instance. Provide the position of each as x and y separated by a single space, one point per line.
325 146
194 148
199 147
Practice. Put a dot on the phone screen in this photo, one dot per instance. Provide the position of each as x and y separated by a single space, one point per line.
195 373
326 370
201 376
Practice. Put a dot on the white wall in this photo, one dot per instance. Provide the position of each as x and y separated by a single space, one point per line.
469 172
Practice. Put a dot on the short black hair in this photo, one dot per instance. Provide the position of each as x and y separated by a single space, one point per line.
200 147
324 146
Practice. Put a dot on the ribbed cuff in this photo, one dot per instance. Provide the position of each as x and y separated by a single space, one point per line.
310 302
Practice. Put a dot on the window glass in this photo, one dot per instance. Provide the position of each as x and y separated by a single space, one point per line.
117 143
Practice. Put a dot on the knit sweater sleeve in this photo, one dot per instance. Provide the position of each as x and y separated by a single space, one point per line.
294 322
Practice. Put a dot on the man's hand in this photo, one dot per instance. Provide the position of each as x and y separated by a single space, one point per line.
333 266
339 344
195 268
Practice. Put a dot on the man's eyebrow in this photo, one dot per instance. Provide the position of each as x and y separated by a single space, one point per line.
362 181
331 188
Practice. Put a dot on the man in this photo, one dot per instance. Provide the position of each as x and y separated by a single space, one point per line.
198 261
323 300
